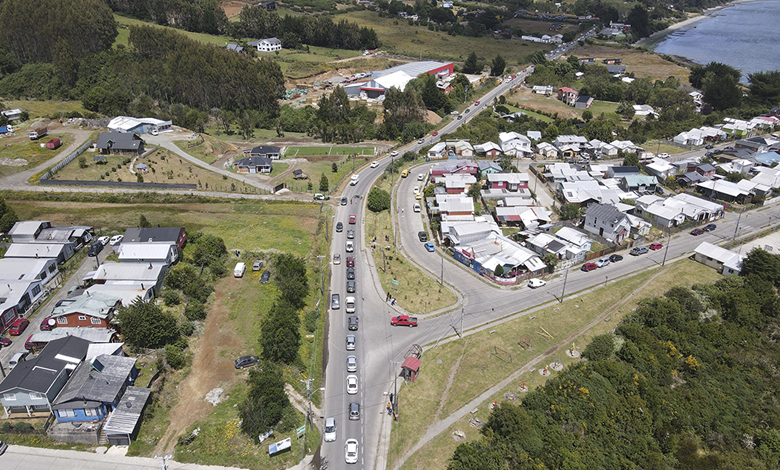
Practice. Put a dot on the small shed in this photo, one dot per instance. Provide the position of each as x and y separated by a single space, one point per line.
100 160
410 368
142 168
122 425
300 175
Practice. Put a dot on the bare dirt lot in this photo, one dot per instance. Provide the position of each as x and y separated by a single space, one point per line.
232 8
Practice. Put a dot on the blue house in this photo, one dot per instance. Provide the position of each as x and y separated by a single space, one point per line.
95 388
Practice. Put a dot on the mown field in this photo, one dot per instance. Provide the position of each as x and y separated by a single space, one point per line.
301 151
19 153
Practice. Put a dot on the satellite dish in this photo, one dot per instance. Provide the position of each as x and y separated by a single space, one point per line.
52 322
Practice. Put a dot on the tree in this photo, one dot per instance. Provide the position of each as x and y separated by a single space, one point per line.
763 265
471 66
378 200
639 20
195 310
143 222
721 91
631 159
291 279
550 259
499 271
498 66
600 348
265 402
324 184
475 191
8 219
145 325
334 168
280 335
765 87
570 211
587 115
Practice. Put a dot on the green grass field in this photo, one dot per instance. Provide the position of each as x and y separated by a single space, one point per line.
19 153
296 151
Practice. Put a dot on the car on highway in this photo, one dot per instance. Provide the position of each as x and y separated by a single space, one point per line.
351 287
416 207
421 141
354 411
5 342
246 361
337 259
350 261
534 283
423 236
339 227
330 429
350 304
615 258
343 200
350 342
710 227
349 246
466 112
265 277
589 267
104 240
351 363
421 177
429 246
18 326
419 196
351 273
352 219
602 262
697 231
656 246
350 234
460 117
352 384
335 302
374 164
476 103
435 133
394 153
351 451
352 323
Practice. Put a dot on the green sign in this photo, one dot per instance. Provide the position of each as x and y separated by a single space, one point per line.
301 430
395 282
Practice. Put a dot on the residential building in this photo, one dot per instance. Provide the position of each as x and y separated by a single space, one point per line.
546 90
88 310
544 243
141 252
639 183
607 222
39 340
485 168
28 269
725 261
583 102
568 95
458 183
534 135
28 230
546 150
529 217
233 47
675 210
254 165
660 168
452 167
141 274
725 191
120 143
157 235
488 150
127 293
19 295
138 125
269 5
603 149
756 144
122 425
32 385
574 237
459 148
576 142
264 151
643 109
616 70
266 45
455 207
509 181
438 151
514 143
690 179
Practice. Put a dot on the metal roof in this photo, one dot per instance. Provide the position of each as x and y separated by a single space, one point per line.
100 381
97 305
34 250
124 419
38 374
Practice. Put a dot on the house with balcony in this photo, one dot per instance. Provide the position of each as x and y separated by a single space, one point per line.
568 95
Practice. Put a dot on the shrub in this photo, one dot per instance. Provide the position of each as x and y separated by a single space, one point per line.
174 356
378 200
195 310
186 328
171 298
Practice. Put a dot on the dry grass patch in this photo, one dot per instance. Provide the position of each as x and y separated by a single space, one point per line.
478 371
19 153
641 63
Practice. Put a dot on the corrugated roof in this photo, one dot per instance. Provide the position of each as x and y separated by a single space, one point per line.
100 382
124 419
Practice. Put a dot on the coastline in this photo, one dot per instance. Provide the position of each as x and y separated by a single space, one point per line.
658 36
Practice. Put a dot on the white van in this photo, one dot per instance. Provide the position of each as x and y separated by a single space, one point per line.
350 304
239 270
17 358
354 180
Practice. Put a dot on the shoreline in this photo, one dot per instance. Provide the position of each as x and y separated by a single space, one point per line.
658 36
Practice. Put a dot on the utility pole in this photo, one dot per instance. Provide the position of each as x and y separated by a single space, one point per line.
442 271
462 314
734 238
164 459
668 240
563 291
392 168
322 282
394 402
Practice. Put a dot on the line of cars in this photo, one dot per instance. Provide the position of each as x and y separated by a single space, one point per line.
701 231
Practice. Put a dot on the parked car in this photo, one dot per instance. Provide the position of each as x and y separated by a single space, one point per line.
339 227
351 364
350 287
534 283
615 258
5 342
697 231
638 250
429 246
335 302
352 219
350 261
352 384
602 262
17 358
352 323
3 447
350 234
104 240
423 236
354 411
337 259
350 273
47 324
116 240
246 361
708 146
257 265
589 267
265 278
18 326
343 200
351 451
330 429
350 342
656 246
710 227
321 197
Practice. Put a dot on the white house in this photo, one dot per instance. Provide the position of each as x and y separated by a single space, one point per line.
547 150
607 222
438 151
148 253
513 143
267 45
660 168
725 261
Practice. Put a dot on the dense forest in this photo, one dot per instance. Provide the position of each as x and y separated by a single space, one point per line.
689 380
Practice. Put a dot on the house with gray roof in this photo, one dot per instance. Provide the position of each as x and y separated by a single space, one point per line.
607 222
266 151
639 183
724 261
139 274
120 143
88 310
254 165
32 386
28 269
60 252
18 296
27 230
159 235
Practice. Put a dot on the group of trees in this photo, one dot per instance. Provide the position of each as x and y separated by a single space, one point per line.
281 330
203 16
8 217
684 385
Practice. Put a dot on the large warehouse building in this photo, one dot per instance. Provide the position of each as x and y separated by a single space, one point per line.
397 77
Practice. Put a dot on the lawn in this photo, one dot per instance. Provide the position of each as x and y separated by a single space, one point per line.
322 166
19 153
124 23
525 100
320 150
164 167
416 292
46 108
209 151
474 367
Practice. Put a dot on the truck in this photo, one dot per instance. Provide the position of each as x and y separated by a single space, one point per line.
36 134
403 320
54 144
354 180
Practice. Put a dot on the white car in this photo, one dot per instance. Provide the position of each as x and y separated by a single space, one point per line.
351 451
350 247
352 384
416 207
337 259
330 429
416 190
534 283
421 177
374 164
351 364
602 262
103 240
116 240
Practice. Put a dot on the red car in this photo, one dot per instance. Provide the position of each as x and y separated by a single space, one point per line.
589 267
352 219
656 246
5 341
476 103
435 133
350 262
18 327
697 231
45 326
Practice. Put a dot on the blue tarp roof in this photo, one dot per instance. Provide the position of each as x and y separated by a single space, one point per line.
767 158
